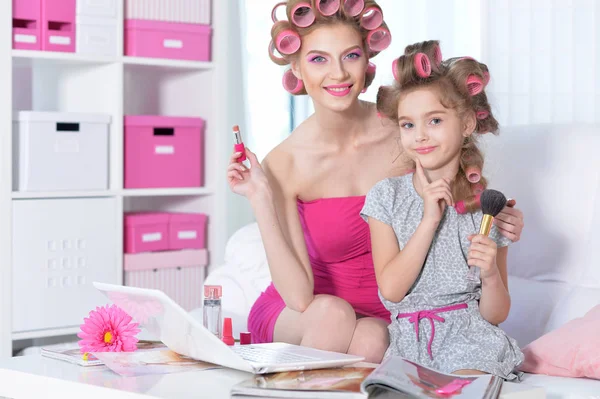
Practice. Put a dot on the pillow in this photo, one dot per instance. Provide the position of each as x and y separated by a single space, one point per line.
572 350
578 301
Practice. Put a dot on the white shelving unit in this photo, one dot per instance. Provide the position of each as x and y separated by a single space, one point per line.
120 85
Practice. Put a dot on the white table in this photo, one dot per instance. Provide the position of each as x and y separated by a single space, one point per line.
39 377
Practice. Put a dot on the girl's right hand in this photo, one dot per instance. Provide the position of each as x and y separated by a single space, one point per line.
246 181
436 195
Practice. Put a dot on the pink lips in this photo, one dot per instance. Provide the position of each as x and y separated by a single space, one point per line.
424 150
339 90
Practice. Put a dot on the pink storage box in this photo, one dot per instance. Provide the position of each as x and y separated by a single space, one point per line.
146 232
179 274
162 151
26 24
58 25
187 230
173 40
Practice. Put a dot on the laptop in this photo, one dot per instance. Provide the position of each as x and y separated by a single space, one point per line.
164 319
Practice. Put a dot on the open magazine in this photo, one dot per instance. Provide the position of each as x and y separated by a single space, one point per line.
394 378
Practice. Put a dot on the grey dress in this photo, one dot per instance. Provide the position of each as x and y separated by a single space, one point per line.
462 338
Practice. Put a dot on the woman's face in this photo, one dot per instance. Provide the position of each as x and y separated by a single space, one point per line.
332 64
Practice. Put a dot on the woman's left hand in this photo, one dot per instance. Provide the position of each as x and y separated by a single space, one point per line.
510 221
482 253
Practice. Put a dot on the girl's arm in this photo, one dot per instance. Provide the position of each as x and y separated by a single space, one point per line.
395 270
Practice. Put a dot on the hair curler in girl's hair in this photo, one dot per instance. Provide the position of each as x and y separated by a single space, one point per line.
354 7
371 18
287 41
291 83
477 188
438 55
422 65
274 12
468 205
486 78
473 174
302 15
379 39
328 7
474 85
482 115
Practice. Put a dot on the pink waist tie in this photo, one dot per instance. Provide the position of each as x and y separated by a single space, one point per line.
432 314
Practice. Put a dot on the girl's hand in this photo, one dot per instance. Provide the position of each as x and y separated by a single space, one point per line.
246 181
482 254
436 195
510 221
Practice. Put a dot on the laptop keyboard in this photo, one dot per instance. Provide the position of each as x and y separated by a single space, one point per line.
269 356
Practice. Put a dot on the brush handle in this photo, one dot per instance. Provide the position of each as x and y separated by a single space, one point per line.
473 274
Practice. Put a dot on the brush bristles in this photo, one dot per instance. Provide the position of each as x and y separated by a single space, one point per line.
492 202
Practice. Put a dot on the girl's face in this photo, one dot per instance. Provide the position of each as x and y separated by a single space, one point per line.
431 132
332 64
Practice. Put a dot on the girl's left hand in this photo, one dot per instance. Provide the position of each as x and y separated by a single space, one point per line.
510 221
482 254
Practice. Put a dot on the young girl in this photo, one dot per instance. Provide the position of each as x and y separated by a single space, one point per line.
423 225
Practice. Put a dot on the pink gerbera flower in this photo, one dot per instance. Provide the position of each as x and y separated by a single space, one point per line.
108 329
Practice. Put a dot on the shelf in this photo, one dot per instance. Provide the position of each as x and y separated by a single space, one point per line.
45 333
164 192
167 63
32 56
62 194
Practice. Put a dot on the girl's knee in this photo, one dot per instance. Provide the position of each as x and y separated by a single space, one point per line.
370 340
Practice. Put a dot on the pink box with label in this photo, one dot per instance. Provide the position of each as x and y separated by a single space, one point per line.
187 231
163 151
58 25
26 24
172 40
146 232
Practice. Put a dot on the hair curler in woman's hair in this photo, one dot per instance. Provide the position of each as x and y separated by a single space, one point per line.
328 7
474 85
354 7
482 115
422 65
287 41
395 68
291 83
371 68
379 39
371 18
274 57
302 15
473 174
274 12
369 76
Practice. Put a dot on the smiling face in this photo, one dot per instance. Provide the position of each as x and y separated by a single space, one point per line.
431 132
332 64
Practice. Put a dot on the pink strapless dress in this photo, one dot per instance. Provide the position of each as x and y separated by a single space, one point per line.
339 247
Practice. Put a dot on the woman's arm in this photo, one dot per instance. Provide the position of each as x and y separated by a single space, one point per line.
395 270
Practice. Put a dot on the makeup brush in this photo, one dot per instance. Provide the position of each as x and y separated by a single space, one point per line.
492 203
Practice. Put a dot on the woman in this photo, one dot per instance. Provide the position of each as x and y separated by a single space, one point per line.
310 189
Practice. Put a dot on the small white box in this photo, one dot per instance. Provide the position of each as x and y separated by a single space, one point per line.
54 151
60 247
184 11
96 36
97 8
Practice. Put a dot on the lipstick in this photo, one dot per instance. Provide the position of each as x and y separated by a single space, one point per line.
239 144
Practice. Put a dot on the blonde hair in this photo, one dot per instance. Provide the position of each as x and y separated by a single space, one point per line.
460 84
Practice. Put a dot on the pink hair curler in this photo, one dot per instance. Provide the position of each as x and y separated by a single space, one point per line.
328 7
473 174
287 42
354 7
482 115
461 207
423 65
486 78
371 68
272 51
371 18
438 55
474 85
478 188
379 39
303 15
274 12
395 68
291 83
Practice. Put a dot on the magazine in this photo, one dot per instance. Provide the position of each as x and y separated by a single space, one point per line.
394 378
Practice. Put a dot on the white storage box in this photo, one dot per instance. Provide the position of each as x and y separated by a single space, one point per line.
97 8
187 11
61 246
55 151
96 36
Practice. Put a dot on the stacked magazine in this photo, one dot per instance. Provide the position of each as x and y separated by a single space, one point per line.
394 378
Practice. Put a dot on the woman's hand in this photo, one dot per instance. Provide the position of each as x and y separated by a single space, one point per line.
436 195
248 182
482 253
510 221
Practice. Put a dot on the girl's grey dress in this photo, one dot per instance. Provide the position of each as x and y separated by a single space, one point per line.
455 336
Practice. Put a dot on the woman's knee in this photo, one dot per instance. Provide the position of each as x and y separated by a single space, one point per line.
370 340
330 310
